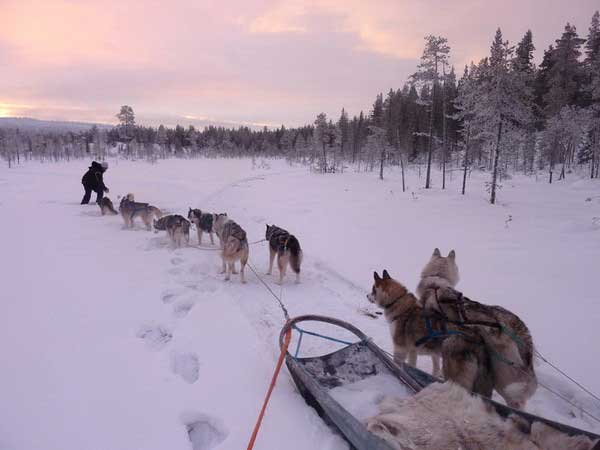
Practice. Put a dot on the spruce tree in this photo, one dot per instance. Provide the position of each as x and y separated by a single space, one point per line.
435 55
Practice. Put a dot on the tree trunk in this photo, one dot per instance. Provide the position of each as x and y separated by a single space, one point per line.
430 143
444 133
324 158
381 163
466 162
594 145
553 151
401 159
495 170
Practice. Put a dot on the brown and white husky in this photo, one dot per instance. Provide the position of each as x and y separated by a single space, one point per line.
465 360
234 245
507 339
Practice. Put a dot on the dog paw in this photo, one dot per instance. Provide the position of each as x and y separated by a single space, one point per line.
186 365
205 432
155 336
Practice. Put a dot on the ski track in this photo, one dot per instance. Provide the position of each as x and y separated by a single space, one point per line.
194 289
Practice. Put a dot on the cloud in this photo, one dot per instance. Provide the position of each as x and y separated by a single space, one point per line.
252 61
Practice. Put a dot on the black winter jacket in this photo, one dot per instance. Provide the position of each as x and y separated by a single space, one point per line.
93 177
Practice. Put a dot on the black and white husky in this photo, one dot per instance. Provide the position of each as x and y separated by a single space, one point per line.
205 222
288 251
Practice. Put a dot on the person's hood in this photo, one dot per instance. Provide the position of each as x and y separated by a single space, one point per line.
97 166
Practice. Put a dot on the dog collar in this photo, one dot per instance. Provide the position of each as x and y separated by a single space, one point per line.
389 305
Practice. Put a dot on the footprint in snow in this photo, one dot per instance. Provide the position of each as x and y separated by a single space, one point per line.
176 271
186 365
182 308
177 261
155 336
170 295
205 432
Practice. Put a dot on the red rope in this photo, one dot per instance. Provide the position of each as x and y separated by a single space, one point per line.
286 343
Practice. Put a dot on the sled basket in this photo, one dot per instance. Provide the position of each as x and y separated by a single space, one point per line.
316 376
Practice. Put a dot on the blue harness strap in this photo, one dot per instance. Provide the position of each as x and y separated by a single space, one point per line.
311 333
432 334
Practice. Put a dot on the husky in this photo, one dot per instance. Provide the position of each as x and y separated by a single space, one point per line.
507 336
130 209
463 353
205 222
106 207
440 272
234 245
288 251
176 226
447 417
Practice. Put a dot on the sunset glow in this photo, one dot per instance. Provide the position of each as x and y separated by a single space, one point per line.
250 62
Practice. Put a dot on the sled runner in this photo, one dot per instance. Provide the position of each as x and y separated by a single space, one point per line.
317 376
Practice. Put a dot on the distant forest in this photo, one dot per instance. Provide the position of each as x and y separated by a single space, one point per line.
503 114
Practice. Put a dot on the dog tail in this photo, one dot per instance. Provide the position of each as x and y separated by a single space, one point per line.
185 225
157 212
231 246
293 246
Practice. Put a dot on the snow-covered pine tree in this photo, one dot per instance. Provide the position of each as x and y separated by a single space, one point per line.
466 104
565 76
321 138
503 101
592 65
524 66
435 54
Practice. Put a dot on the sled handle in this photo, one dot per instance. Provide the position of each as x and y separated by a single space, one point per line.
316 318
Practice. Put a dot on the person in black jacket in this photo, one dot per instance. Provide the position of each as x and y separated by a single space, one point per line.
92 181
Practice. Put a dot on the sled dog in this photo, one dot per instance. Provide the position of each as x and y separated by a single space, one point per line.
130 209
234 245
440 272
205 222
465 359
106 207
288 251
507 337
176 226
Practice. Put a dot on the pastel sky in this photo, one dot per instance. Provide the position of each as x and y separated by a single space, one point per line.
241 62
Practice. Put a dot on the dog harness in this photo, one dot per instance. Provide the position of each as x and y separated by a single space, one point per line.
432 334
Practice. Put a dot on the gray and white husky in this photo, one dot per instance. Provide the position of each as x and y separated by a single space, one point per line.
130 209
176 226
507 338
205 222
288 251
234 245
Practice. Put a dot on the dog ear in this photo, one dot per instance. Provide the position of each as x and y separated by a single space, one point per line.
376 277
436 252
386 275
452 254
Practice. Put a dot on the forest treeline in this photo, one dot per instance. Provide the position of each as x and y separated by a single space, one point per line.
502 114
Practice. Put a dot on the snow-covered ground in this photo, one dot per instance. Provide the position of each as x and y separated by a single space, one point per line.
112 340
